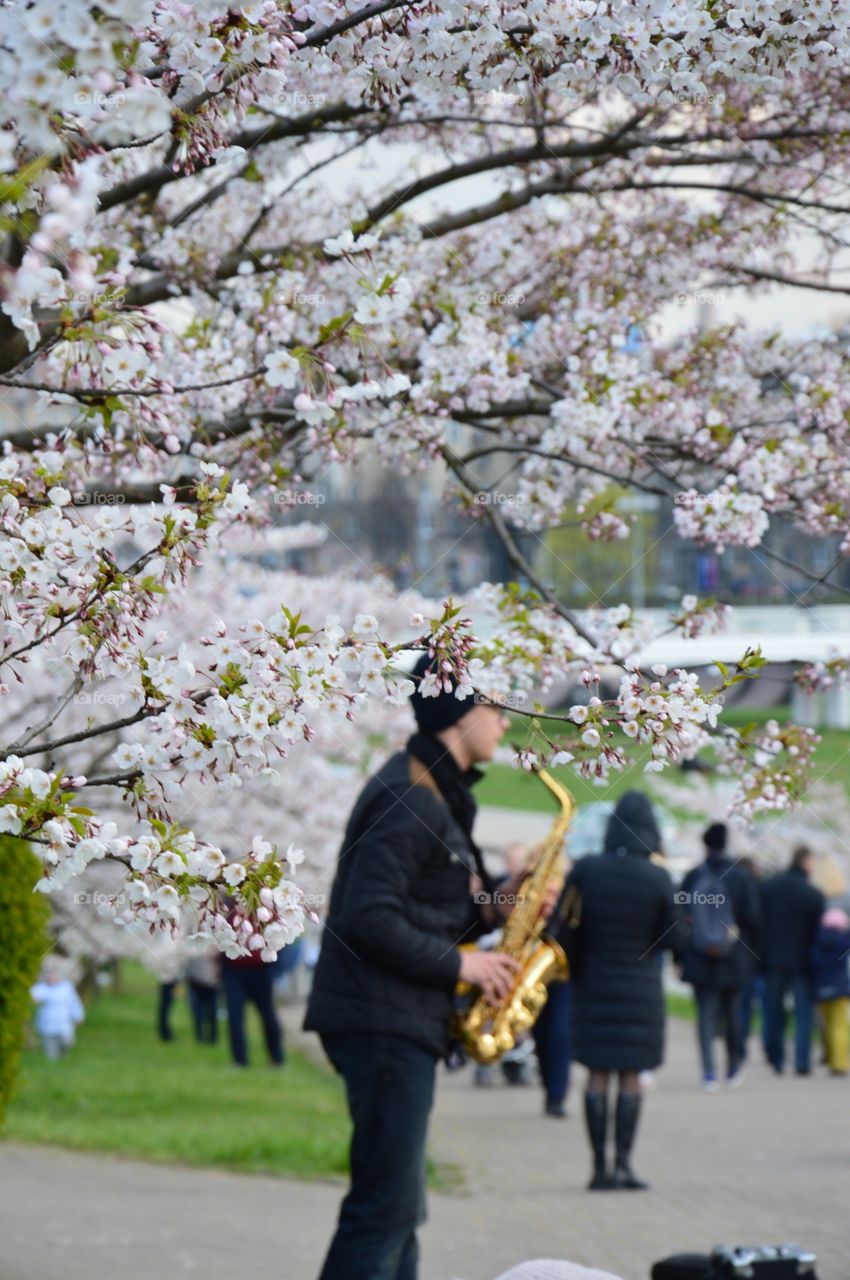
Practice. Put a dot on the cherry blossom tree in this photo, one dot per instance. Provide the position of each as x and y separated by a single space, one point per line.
243 245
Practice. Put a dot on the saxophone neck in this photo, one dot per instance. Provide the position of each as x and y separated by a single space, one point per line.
561 794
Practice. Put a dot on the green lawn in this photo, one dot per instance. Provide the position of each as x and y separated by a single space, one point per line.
516 789
680 1006
122 1091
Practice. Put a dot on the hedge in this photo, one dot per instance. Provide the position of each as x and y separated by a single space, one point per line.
24 916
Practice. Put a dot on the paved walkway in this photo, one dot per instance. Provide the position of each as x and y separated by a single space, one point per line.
497 828
770 1162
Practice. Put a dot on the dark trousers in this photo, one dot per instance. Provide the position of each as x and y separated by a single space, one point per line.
244 983
166 1000
752 999
553 1041
389 1082
203 1001
716 1005
778 982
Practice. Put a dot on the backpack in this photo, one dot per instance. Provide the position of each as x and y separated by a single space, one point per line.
713 929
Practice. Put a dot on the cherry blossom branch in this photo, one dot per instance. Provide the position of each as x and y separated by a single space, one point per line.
579 463
99 394
153 180
794 282
83 735
17 747
513 552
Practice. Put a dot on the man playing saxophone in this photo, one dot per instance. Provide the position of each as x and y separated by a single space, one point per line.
384 986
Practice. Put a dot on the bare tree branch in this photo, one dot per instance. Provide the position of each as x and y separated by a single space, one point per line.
512 550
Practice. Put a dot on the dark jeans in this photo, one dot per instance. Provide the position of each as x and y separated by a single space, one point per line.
203 1001
390 1086
778 982
752 999
553 1041
241 984
166 1000
713 1005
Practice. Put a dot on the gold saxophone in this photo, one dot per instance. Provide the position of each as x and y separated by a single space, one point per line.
488 1030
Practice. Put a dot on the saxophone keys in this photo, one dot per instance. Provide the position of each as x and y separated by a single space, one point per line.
535 998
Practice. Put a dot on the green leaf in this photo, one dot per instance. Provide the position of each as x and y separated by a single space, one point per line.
327 331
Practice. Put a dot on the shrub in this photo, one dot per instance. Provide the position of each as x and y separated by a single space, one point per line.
24 917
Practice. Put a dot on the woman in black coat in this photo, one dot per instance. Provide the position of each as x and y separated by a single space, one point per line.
619 914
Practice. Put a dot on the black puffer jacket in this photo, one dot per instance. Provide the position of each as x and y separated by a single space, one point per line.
400 905
627 917
791 912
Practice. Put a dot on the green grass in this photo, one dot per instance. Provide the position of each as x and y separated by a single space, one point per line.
516 789
680 1006
122 1091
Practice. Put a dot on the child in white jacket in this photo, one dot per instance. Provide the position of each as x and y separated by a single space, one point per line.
59 1010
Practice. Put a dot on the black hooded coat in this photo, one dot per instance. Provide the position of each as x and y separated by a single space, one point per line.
624 915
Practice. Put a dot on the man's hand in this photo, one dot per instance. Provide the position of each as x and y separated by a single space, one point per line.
492 971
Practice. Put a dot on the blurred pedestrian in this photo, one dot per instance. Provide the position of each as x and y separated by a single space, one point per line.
168 964
286 970
831 986
203 979
248 980
720 908
553 1044
59 1010
616 913
791 911
752 990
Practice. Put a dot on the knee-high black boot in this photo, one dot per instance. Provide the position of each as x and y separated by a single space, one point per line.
625 1126
596 1118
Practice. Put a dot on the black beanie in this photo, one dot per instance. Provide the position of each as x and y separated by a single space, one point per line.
436 713
714 837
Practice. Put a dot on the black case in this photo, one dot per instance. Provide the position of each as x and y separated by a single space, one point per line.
764 1262
739 1262
685 1266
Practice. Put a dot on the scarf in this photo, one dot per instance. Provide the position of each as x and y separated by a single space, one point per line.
455 787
